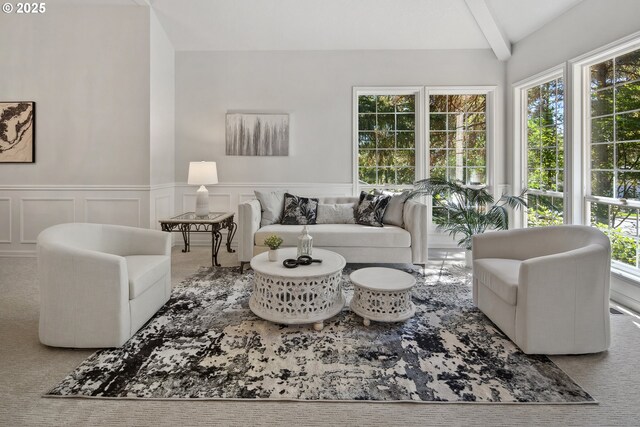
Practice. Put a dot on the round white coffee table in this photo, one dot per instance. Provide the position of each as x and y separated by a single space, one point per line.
382 294
305 294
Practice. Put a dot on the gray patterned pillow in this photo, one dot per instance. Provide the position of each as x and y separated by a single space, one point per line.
299 210
394 215
370 209
338 213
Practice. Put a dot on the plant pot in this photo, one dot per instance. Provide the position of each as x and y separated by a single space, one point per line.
468 260
273 254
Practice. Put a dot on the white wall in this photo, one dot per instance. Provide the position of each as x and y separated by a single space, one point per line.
588 26
87 69
162 123
315 88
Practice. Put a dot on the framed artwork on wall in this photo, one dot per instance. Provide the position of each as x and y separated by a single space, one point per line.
257 134
17 132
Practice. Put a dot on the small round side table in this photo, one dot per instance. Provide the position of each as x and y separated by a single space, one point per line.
382 294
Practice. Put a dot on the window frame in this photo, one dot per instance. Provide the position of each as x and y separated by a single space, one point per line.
520 147
422 94
580 119
418 92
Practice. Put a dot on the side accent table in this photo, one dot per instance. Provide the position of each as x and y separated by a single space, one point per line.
382 294
188 223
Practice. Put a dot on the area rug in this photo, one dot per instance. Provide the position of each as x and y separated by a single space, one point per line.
205 343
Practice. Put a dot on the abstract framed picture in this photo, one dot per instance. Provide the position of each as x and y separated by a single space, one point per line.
257 134
17 132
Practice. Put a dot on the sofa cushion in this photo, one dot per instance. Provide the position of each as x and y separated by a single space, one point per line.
394 213
346 235
338 213
299 210
144 271
272 205
371 208
499 275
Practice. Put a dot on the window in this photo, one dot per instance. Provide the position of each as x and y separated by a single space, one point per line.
545 152
386 139
613 195
458 137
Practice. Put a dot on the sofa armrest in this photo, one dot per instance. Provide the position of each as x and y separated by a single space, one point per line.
124 241
415 222
565 295
249 217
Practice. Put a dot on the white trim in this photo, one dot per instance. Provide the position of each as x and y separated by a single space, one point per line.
18 254
10 220
72 187
490 29
519 159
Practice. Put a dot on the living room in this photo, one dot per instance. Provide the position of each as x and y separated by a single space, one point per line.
125 98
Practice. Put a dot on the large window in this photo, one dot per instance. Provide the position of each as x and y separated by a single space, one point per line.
387 139
545 153
613 195
458 137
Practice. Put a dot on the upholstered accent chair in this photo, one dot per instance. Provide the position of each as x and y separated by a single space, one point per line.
99 283
546 288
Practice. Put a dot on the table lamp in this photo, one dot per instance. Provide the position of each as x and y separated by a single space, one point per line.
202 173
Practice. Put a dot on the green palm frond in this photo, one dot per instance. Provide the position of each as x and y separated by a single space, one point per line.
469 210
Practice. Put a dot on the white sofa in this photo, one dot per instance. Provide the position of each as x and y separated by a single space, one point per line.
546 288
99 283
357 243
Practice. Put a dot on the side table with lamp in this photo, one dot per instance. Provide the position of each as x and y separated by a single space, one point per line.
202 220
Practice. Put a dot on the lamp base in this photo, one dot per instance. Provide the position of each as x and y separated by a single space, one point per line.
202 201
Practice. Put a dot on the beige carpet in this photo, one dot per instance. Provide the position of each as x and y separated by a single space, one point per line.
28 368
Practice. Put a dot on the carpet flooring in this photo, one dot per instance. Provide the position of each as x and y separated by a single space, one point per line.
206 343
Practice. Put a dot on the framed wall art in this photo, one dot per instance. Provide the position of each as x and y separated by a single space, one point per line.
17 132
257 134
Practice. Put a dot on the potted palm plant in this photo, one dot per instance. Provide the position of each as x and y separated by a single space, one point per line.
274 243
466 210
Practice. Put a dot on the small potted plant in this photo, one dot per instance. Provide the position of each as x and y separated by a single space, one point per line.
274 243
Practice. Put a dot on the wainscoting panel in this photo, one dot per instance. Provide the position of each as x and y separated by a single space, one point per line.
6 219
111 210
26 210
37 214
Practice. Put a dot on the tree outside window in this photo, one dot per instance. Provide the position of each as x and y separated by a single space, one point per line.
386 139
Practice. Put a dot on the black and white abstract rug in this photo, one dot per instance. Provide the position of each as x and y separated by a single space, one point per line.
205 343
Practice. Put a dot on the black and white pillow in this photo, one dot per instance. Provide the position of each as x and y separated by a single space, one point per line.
371 208
299 210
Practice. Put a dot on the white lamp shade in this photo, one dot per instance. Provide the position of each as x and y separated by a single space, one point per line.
202 173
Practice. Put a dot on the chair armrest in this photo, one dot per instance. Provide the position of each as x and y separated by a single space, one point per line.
249 217
86 289
415 222
564 294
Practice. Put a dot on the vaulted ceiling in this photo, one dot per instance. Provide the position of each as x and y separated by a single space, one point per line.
350 24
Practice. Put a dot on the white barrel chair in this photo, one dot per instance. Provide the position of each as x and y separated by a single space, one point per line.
546 288
99 283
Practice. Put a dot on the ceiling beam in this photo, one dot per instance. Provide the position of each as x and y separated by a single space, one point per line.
498 42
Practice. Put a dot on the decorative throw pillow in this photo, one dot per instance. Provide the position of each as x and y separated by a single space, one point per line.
394 213
339 213
370 209
299 210
272 205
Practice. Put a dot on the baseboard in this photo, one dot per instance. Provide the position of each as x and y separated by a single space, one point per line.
18 254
